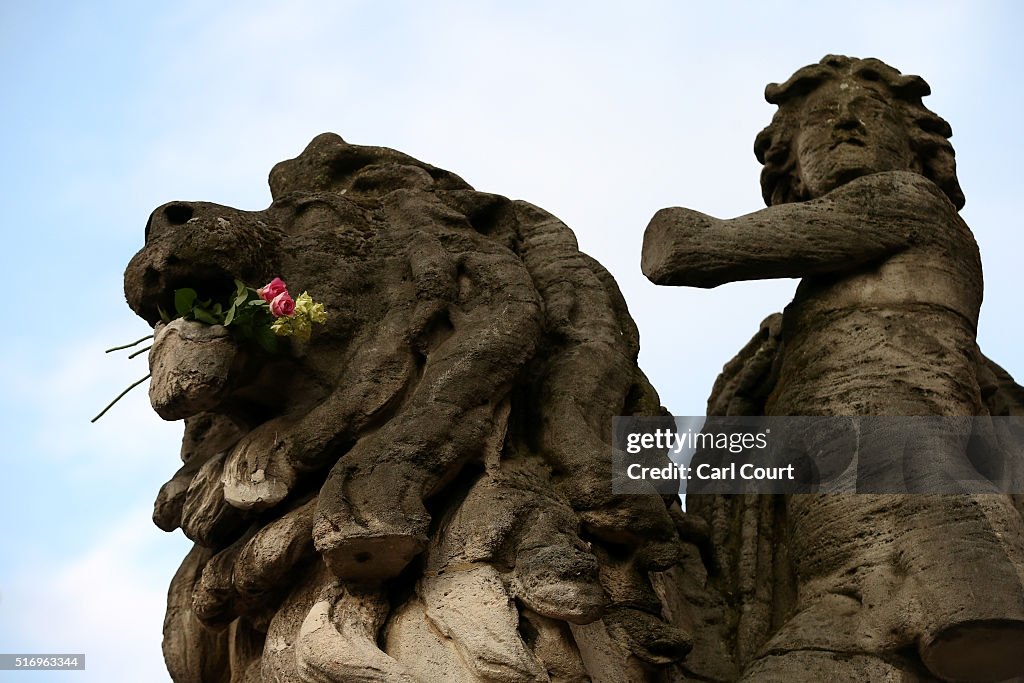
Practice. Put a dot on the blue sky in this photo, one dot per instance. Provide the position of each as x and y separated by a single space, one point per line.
599 113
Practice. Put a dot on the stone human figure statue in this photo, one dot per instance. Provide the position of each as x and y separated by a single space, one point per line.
862 195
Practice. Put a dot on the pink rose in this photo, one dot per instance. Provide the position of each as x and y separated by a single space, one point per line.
282 305
271 291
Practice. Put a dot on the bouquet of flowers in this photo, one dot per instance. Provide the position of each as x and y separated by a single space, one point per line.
258 315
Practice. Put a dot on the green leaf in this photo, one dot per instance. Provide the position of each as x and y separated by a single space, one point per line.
240 299
204 316
183 300
163 314
266 338
217 309
229 316
240 288
257 302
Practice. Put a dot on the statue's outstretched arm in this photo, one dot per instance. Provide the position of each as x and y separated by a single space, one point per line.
863 221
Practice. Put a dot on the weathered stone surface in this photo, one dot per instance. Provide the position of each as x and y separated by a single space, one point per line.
338 638
861 185
422 491
428 655
206 436
190 363
193 653
206 517
264 562
473 608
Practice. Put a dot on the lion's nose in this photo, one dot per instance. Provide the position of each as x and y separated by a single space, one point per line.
177 213
169 215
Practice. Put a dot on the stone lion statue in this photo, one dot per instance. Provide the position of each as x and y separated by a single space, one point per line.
422 491
860 182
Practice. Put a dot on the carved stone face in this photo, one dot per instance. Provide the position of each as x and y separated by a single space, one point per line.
849 129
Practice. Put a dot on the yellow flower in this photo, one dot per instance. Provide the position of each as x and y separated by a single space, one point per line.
318 314
306 307
282 327
300 325
303 302
301 328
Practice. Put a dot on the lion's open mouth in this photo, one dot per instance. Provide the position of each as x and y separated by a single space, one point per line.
158 287
197 366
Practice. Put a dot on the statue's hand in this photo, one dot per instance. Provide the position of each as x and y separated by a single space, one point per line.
675 249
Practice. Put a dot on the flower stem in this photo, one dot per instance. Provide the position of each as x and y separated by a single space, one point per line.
120 396
140 351
128 346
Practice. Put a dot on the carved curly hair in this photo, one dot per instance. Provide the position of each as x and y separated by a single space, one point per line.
929 133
